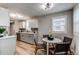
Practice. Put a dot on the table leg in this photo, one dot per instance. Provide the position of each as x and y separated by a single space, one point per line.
47 48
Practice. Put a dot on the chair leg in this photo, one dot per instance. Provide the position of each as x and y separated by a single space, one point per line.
66 53
70 51
36 51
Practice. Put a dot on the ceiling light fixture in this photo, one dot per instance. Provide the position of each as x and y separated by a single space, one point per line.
47 6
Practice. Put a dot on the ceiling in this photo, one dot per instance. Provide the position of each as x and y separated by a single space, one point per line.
34 9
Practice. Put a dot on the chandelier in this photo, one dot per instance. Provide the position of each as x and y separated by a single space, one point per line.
47 6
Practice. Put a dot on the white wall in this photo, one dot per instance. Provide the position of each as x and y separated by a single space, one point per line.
45 23
76 28
4 17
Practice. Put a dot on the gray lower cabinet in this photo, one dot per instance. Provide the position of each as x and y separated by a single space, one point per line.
26 37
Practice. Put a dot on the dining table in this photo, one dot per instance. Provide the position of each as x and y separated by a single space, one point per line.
54 41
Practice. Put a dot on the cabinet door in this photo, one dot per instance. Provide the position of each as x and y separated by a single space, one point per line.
8 46
27 38
33 24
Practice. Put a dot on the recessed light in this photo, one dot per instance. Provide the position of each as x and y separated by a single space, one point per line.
17 16
12 15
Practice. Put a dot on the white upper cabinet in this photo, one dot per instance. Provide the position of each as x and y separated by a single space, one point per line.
31 24
34 24
4 17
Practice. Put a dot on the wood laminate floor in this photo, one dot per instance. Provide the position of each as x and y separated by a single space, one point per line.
23 48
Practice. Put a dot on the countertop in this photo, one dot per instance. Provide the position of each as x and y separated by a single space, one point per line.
5 37
27 32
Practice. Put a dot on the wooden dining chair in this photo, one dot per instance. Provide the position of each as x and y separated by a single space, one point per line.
60 49
45 43
68 39
45 36
38 46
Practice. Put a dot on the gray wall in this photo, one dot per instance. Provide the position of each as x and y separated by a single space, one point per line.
45 22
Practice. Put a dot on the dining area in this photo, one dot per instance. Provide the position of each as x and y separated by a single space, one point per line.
54 46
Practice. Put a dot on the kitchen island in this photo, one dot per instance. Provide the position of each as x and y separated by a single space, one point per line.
8 45
27 37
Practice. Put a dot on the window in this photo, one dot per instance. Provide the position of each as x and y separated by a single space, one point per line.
76 26
59 24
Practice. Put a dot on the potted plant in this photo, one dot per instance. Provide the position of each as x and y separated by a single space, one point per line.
50 37
2 29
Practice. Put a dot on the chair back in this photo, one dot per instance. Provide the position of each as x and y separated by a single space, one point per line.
35 38
45 36
35 42
62 48
67 39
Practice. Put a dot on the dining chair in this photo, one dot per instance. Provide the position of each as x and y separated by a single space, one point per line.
68 39
45 36
38 46
45 43
60 49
